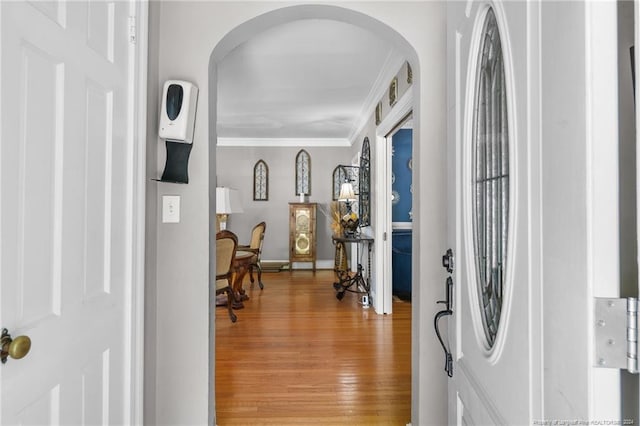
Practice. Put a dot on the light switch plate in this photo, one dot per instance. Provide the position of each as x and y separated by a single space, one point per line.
170 209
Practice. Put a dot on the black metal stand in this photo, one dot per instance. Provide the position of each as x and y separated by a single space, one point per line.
354 283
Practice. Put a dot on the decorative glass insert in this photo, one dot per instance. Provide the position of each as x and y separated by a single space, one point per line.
342 174
490 178
260 181
303 173
364 199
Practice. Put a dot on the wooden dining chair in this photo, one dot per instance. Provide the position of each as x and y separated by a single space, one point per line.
255 246
226 245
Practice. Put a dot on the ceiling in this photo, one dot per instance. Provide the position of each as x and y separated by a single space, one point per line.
305 80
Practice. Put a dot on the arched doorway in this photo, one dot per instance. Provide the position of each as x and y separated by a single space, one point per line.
424 352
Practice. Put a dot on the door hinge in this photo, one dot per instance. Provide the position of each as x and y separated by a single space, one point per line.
616 333
384 236
132 29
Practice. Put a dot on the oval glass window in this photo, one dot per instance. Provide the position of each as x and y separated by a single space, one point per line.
490 178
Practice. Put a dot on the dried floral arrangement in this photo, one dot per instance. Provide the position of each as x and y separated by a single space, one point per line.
337 211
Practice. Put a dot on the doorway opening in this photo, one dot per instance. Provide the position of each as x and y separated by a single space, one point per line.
401 183
254 27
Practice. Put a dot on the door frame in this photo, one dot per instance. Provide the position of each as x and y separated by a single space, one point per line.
383 221
137 134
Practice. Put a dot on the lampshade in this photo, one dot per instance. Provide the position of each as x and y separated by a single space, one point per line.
228 201
346 192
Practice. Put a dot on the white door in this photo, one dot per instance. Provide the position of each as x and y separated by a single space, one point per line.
67 223
533 202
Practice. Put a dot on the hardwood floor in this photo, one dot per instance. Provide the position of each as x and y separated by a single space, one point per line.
299 356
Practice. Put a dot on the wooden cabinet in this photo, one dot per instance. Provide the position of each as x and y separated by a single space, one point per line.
302 233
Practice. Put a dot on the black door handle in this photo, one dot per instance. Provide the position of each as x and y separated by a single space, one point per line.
448 363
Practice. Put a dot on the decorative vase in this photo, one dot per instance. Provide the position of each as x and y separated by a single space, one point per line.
350 226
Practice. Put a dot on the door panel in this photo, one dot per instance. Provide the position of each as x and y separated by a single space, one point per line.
492 383
66 188
563 230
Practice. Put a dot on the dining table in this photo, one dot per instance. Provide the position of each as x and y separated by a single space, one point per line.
241 263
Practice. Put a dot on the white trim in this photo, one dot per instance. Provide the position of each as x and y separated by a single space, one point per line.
601 76
283 142
382 301
388 71
140 9
401 225
399 111
302 266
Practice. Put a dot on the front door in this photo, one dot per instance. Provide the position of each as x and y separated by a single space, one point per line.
67 224
533 173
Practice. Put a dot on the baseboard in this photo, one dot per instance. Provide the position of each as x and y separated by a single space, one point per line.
283 265
274 265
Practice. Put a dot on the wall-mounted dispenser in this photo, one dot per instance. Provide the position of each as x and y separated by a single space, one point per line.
177 120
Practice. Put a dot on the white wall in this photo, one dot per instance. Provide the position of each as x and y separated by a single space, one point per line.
189 31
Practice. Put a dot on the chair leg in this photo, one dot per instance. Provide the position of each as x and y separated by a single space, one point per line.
251 274
260 276
230 299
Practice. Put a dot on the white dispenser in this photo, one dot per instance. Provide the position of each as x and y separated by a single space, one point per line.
178 111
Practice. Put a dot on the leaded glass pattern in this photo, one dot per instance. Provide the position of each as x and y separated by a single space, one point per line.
364 197
491 178
260 181
303 173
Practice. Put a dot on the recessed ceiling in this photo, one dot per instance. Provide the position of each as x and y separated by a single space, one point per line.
306 79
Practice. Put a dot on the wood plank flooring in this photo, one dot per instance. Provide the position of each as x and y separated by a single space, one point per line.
299 356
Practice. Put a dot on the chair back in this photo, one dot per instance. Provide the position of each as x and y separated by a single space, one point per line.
257 237
226 244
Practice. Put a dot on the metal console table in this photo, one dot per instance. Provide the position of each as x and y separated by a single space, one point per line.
357 283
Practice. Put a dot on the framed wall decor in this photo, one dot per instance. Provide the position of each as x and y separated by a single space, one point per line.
379 113
393 91
303 173
409 74
364 198
261 181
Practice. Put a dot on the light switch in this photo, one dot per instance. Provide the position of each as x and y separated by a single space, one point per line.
170 209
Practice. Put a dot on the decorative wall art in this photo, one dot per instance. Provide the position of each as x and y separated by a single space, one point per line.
409 74
365 184
260 181
393 91
379 113
303 173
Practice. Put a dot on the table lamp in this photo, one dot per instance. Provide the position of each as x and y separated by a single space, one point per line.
347 195
227 202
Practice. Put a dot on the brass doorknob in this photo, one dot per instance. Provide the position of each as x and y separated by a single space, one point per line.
15 348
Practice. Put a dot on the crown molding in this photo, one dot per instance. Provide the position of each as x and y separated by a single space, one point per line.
284 142
389 69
